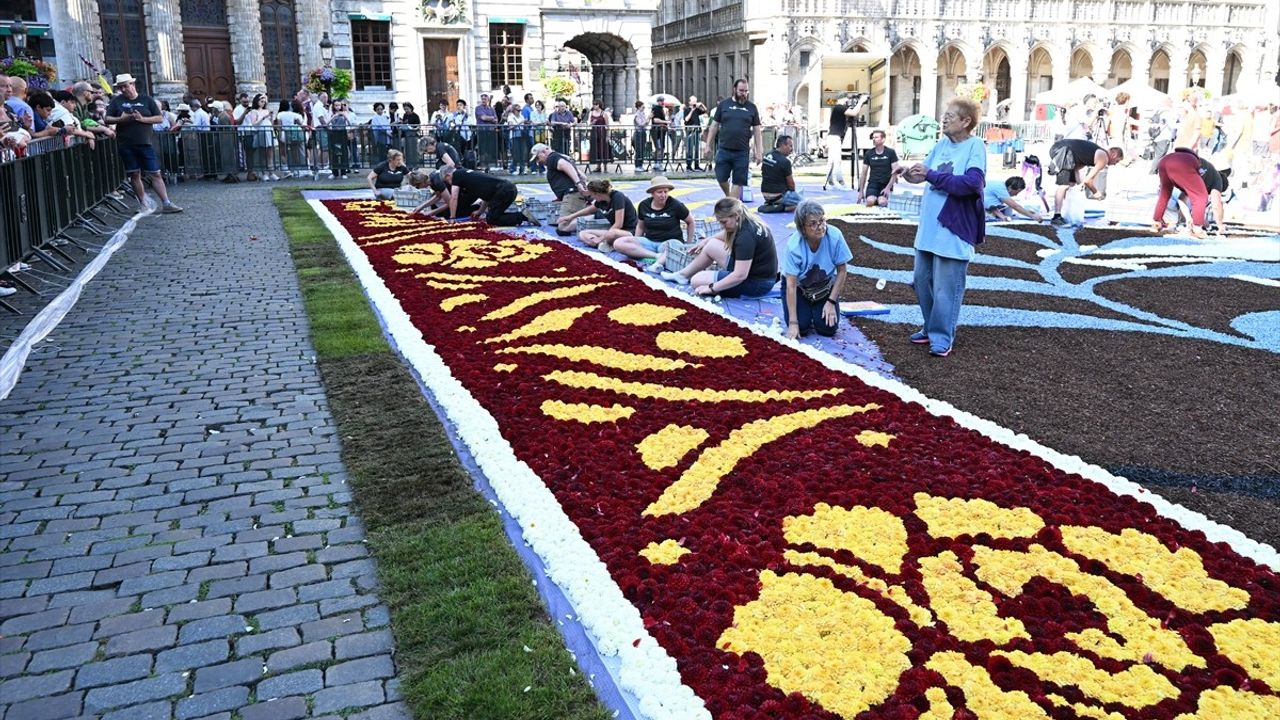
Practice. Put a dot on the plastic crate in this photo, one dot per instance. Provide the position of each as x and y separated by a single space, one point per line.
544 210
409 198
590 223
708 227
905 203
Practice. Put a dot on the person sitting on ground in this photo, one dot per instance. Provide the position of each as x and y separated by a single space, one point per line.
386 177
998 195
477 194
446 155
878 164
1070 158
566 183
743 247
777 183
660 216
610 204
813 270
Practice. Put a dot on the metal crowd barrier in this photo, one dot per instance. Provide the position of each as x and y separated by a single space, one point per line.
55 186
224 150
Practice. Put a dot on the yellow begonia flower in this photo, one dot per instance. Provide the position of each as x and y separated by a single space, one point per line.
667 552
1138 686
1253 644
1227 703
585 413
967 610
949 518
871 534
644 314
702 344
664 448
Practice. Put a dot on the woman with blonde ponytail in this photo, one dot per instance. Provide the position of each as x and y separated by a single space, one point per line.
744 248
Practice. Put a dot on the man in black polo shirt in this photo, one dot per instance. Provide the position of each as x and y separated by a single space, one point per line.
1069 158
737 121
446 154
469 188
566 183
777 183
843 115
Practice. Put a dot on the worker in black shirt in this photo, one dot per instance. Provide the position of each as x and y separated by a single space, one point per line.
777 183
1069 159
474 193
737 122
566 183
843 115
878 164
446 154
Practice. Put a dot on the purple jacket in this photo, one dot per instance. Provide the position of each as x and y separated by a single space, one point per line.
962 213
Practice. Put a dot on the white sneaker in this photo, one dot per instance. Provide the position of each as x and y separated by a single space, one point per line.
19 267
675 277
7 291
273 177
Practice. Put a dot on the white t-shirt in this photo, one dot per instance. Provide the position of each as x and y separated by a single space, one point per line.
200 119
69 121
319 113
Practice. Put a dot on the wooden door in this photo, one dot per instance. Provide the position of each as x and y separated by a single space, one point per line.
441 60
209 69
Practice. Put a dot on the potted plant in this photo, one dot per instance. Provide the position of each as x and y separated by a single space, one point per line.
335 82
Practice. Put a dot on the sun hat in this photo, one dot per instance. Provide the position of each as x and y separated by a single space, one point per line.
659 182
184 107
124 79
533 152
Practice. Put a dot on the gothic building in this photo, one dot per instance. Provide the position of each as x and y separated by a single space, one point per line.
404 50
1017 47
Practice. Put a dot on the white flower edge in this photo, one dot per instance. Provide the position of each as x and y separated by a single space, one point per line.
1259 552
647 671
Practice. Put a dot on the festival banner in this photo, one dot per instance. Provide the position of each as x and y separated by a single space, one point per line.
761 531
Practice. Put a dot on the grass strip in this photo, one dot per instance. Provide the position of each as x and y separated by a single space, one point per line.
473 639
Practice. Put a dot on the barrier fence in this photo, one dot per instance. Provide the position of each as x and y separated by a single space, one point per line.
57 185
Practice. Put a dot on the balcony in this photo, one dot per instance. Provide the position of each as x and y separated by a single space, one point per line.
702 25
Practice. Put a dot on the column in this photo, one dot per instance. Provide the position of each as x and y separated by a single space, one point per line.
1061 65
1018 69
1215 70
244 17
168 61
77 32
1178 59
928 80
313 23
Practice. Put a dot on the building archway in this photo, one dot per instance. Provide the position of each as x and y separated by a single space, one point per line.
1121 68
206 45
904 87
1231 78
614 74
1039 75
1159 72
1081 64
1196 65
952 70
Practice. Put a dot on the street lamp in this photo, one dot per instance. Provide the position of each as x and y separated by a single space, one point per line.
19 32
326 50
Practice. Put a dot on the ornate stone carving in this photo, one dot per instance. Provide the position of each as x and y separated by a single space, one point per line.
444 12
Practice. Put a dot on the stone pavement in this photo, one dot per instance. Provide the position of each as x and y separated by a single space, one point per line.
176 532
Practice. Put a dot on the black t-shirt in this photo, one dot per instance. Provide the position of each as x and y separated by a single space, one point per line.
881 165
1213 180
692 116
560 181
664 224
774 171
1080 153
754 242
736 122
481 185
443 150
618 201
410 119
839 122
131 132
388 178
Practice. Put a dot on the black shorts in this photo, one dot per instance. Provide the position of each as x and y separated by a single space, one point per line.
1066 177
875 188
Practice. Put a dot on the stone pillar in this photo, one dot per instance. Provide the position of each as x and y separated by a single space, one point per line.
1061 65
1178 59
244 17
168 61
928 82
1018 69
1140 60
313 23
77 32
1215 70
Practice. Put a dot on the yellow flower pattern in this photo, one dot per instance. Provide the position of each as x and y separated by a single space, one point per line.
667 552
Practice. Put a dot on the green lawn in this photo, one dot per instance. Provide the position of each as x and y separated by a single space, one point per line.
471 632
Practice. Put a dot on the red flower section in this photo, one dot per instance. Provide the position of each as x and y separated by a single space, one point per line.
737 533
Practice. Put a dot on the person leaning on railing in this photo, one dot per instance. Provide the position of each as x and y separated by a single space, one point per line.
83 93
562 122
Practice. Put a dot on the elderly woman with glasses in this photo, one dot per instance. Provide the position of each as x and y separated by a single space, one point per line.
813 271
952 223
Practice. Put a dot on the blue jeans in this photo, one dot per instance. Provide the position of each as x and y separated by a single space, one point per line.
939 285
748 288
809 315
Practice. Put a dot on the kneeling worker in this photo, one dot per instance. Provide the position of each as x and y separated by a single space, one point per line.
777 183
446 155
471 192
998 197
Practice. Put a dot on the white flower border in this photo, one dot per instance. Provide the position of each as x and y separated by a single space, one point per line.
648 672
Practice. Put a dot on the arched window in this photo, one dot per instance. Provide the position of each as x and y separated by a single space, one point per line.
280 48
124 39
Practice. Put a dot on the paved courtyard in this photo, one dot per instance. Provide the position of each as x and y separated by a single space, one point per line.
176 534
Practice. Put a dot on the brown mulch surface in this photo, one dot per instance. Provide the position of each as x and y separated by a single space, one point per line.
1192 420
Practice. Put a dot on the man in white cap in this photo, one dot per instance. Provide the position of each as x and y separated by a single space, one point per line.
565 181
133 115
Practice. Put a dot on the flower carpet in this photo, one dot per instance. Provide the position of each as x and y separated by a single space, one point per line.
759 531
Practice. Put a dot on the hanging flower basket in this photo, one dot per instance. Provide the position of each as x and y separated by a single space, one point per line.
338 81
39 74
976 92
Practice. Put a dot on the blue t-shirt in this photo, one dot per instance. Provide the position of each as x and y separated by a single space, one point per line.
832 252
956 158
996 193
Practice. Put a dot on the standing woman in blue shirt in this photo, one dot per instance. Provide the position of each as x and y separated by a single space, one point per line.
952 223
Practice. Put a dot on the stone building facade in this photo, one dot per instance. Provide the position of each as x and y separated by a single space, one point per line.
1017 47
403 50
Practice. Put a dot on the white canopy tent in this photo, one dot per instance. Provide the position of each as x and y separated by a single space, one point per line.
1141 95
1072 92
